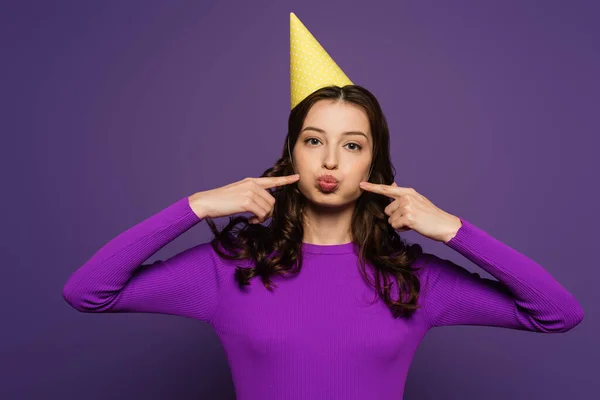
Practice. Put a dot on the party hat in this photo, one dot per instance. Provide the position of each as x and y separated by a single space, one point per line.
311 67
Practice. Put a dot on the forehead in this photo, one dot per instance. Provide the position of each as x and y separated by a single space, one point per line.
337 117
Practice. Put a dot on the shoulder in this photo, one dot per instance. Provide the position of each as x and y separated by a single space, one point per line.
203 257
430 267
438 273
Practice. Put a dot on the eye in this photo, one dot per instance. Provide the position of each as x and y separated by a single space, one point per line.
357 145
357 148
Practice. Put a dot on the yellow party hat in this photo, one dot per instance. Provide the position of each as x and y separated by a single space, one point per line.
311 68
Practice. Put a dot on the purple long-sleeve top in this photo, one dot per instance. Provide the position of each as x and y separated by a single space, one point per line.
317 335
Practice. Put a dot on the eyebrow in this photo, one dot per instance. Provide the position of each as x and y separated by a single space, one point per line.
312 128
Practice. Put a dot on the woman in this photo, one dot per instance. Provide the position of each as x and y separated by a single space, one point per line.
290 300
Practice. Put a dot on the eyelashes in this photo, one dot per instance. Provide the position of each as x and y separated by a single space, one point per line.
359 147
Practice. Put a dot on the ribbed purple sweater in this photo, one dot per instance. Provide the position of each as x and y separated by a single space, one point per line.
317 336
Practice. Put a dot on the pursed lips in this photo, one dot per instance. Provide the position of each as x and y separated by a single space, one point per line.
327 178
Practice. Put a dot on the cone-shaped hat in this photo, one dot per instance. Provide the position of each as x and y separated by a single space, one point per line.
311 68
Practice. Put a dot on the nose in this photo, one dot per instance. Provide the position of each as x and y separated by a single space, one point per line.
330 161
329 165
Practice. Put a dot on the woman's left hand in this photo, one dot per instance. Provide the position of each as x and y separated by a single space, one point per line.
412 210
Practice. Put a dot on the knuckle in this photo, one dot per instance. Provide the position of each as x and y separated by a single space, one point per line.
246 202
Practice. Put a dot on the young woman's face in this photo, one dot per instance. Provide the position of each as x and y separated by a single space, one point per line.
324 148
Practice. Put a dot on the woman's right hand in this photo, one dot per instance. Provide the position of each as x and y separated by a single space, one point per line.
247 195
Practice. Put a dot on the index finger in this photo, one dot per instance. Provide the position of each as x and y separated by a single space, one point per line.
267 182
386 190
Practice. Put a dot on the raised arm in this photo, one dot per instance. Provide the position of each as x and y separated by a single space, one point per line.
114 279
524 297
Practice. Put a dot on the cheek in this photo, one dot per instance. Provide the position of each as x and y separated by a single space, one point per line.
358 172
303 184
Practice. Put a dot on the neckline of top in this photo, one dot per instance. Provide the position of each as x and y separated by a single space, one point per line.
342 248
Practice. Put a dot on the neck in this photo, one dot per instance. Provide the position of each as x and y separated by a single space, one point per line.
327 225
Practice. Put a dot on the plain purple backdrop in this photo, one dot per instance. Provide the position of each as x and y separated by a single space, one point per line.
111 111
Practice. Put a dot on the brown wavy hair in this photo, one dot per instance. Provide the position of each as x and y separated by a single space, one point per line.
275 248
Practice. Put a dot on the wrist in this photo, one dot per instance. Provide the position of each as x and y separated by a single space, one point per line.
453 230
196 206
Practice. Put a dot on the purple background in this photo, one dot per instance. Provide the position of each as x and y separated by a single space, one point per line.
111 111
